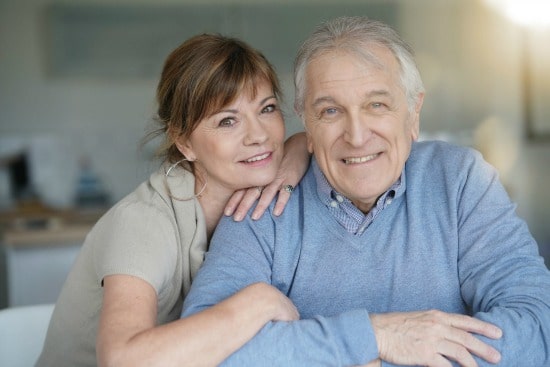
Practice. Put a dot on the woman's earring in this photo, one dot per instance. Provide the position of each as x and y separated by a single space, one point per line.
175 165
167 173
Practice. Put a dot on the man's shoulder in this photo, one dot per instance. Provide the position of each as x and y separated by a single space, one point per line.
435 162
436 151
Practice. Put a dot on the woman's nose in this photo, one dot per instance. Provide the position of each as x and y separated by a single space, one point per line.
256 132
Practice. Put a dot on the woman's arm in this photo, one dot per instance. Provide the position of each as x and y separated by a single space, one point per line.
293 167
128 334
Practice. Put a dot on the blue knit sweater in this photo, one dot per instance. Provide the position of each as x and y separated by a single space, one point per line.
450 241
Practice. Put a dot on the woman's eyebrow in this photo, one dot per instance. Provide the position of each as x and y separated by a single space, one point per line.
232 110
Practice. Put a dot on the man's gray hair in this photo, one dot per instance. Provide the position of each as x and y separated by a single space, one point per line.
355 34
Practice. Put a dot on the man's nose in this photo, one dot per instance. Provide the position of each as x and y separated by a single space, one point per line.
357 130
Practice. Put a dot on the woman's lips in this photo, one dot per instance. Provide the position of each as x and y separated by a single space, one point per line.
257 158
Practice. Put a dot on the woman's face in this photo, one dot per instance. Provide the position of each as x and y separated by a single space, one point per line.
242 144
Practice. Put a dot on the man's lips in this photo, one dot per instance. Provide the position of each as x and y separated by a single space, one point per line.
358 160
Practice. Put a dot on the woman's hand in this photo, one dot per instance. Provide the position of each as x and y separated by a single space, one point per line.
282 307
293 167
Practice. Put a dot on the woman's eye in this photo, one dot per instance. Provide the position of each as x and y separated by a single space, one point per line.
377 105
269 108
226 122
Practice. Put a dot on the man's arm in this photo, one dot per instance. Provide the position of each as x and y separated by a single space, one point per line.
341 340
348 338
503 279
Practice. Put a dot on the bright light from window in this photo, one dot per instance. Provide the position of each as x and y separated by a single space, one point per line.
531 13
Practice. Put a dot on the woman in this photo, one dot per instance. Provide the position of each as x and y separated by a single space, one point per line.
224 131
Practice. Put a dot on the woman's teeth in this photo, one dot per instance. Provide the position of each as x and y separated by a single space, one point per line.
257 158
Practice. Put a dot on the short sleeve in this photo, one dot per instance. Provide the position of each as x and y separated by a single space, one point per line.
136 239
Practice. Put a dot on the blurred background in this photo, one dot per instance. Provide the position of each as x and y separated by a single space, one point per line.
77 95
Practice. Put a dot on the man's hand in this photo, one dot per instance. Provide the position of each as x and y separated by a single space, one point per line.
375 363
432 338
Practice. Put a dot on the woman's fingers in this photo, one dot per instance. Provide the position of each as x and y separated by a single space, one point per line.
247 199
242 200
233 202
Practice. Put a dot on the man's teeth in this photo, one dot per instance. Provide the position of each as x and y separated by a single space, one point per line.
258 158
359 159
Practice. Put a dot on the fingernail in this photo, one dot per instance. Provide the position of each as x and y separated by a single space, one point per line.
238 217
496 356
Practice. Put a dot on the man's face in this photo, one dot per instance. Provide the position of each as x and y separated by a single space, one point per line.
358 123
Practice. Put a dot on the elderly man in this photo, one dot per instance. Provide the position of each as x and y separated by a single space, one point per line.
394 252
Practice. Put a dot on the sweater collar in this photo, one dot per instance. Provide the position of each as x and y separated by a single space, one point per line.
347 214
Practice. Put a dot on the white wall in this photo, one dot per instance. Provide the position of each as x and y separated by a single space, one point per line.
470 59
99 119
468 55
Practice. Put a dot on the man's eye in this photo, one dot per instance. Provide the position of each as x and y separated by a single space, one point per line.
328 113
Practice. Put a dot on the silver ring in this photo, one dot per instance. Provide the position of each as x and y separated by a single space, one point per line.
287 188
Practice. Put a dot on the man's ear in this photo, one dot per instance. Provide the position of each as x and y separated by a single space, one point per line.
415 118
309 140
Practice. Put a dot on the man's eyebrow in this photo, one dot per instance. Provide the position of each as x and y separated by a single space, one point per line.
322 100
373 93
378 92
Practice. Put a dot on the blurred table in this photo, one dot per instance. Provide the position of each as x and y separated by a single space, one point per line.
39 246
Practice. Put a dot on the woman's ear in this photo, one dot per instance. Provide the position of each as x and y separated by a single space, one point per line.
183 144
186 148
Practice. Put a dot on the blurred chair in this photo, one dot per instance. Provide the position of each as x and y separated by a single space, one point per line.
22 333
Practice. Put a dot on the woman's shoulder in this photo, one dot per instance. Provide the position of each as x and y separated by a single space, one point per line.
145 206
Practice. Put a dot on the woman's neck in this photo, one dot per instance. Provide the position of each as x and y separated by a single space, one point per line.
213 201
